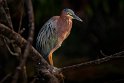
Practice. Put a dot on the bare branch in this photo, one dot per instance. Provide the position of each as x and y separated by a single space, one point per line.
102 53
8 17
8 75
20 22
97 61
11 52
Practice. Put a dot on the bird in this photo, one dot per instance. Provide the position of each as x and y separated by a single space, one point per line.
54 32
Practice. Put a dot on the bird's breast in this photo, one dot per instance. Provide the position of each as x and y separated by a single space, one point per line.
64 29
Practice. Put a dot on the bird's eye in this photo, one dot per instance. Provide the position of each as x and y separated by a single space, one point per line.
69 13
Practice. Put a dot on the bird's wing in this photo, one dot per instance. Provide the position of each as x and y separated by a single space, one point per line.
47 38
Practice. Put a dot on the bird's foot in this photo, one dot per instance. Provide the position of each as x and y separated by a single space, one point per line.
57 72
54 69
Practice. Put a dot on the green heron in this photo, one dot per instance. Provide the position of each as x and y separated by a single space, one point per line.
54 32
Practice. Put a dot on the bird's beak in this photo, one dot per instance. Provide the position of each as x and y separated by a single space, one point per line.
77 18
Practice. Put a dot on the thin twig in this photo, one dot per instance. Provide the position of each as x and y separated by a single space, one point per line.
20 23
102 53
116 81
24 73
11 52
2 81
5 15
97 61
15 77
8 17
21 15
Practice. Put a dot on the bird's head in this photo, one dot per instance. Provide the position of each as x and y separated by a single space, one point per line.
69 13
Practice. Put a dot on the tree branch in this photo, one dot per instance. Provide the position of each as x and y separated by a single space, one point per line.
41 66
8 75
97 61
20 21
7 14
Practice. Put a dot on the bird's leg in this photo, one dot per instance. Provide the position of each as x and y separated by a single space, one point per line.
50 59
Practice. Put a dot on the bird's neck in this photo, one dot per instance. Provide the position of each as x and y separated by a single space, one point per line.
65 21
65 25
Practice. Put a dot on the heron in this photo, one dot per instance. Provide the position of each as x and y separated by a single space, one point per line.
54 32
